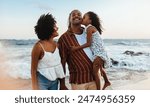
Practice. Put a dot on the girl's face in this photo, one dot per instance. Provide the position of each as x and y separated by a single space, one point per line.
86 20
55 33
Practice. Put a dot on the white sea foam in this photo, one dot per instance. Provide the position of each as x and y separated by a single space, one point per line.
134 62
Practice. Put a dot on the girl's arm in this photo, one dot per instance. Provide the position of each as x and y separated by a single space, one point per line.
34 63
90 31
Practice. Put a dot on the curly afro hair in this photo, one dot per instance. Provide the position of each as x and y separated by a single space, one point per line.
45 26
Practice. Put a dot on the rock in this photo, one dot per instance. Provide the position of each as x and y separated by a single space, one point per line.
132 53
138 53
129 52
114 62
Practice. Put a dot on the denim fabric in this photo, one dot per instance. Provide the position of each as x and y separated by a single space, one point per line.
45 84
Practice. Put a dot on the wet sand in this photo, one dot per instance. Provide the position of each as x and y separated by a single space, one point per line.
9 83
140 85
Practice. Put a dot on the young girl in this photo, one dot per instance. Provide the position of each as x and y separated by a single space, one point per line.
46 68
94 41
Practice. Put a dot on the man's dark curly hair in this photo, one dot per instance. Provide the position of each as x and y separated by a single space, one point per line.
95 21
45 26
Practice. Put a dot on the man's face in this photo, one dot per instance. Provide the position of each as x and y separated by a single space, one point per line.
76 17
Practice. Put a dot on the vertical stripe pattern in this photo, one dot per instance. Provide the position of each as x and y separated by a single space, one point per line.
80 66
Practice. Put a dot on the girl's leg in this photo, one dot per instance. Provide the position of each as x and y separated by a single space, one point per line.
96 66
107 83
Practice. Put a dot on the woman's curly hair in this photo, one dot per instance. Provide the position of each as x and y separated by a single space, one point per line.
45 26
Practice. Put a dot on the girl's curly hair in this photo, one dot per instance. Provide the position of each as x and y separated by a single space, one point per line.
96 22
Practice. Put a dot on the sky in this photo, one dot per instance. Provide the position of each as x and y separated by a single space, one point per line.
121 19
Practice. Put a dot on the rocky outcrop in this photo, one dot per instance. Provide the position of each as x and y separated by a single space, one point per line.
132 53
114 62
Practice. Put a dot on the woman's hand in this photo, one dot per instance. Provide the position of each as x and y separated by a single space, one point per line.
62 84
63 87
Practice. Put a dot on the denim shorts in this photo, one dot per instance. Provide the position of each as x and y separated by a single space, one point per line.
45 84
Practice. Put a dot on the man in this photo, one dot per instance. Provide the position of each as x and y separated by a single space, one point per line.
79 62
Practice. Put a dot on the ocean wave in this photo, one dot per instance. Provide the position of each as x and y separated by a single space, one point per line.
13 42
134 42
133 63
127 43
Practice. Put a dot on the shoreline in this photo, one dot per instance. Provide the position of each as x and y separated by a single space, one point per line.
9 83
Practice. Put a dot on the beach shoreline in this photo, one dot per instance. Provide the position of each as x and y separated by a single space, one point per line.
9 83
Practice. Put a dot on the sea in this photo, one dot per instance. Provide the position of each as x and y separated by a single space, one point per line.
130 59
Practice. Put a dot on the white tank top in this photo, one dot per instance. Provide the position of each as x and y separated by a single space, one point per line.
50 65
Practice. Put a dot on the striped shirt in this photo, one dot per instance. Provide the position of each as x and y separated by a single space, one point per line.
79 65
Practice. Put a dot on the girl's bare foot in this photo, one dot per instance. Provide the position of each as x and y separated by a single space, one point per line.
106 85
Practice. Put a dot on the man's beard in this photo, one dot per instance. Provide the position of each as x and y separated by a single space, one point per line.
76 24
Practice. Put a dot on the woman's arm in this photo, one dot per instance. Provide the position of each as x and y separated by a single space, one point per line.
36 51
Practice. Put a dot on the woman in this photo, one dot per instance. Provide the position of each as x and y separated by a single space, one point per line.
46 68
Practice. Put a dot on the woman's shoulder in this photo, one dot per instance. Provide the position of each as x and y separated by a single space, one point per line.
37 46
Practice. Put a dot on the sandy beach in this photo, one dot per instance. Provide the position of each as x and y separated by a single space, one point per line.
140 85
9 83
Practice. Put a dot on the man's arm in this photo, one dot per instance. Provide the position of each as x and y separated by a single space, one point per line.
63 56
